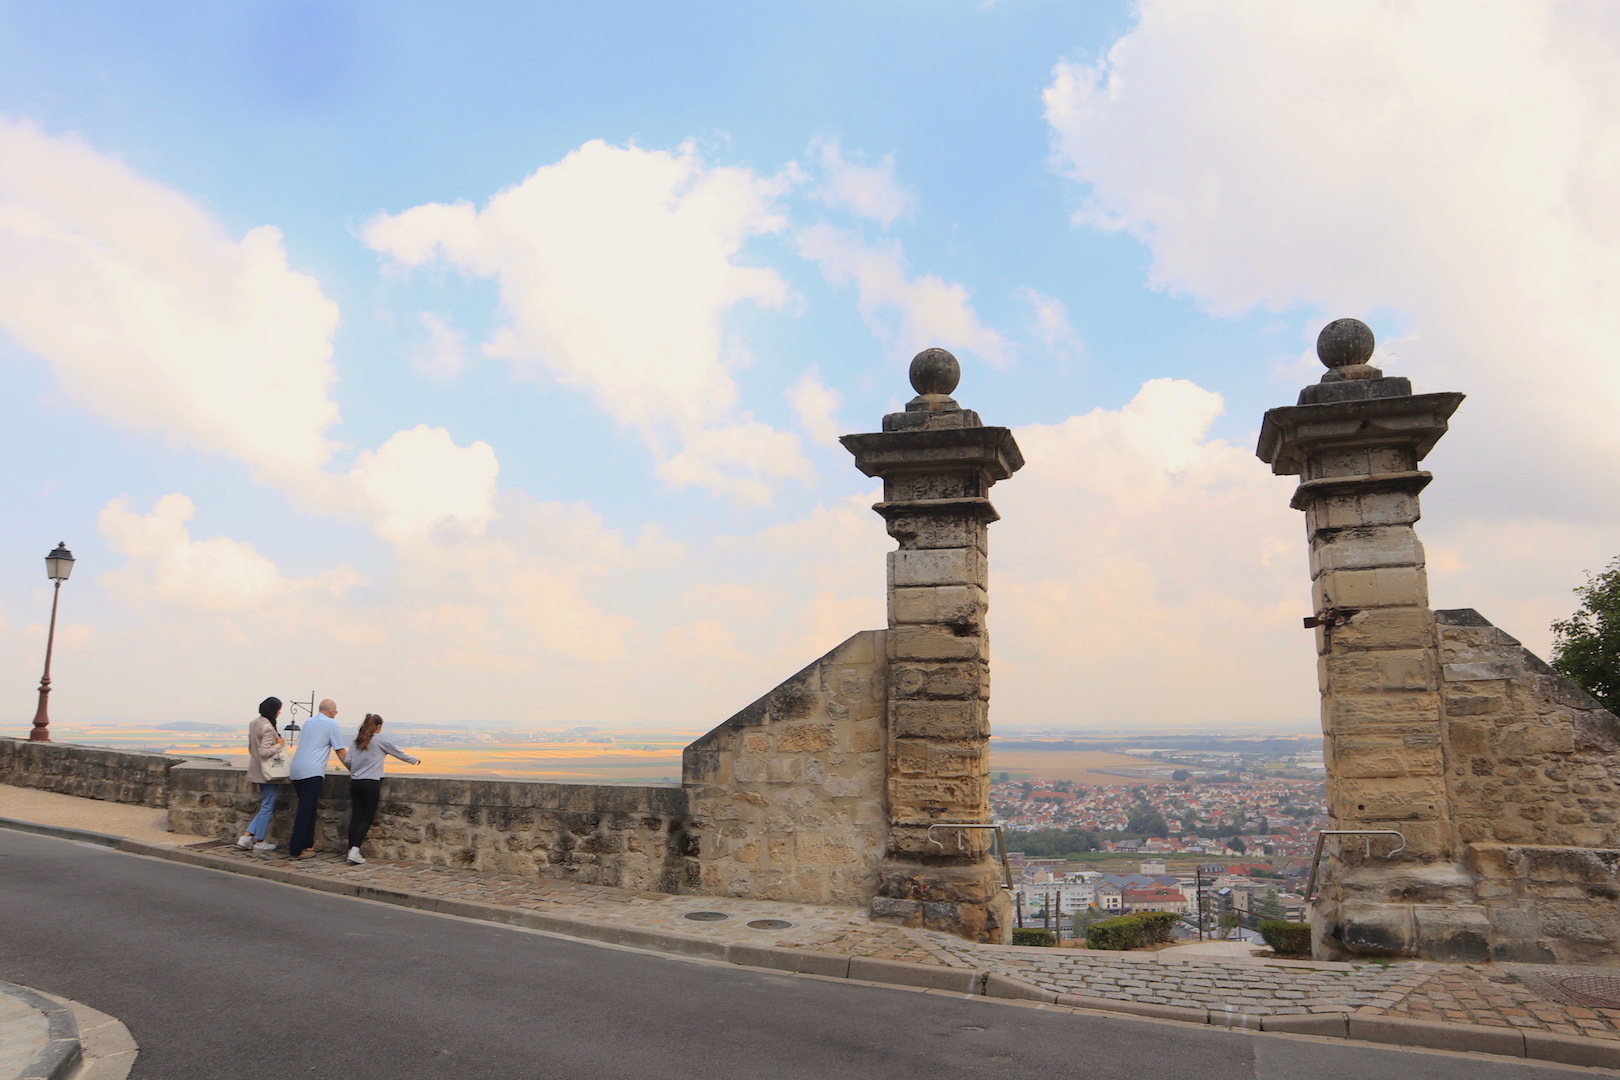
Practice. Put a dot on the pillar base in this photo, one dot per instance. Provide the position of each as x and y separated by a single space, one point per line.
965 899
989 923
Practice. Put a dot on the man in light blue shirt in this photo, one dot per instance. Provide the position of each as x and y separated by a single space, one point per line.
308 775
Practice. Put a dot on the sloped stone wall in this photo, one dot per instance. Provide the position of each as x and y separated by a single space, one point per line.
1533 759
786 797
91 772
1533 780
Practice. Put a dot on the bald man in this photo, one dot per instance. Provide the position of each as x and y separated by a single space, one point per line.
308 775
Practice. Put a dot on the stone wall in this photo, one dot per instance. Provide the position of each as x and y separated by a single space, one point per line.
1533 759
597 834
786 796
1548 905
1533 782
90 772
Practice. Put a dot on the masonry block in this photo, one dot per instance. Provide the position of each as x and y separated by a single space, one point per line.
1394 586
942 720
934 643
1403 628
945 566
1365 547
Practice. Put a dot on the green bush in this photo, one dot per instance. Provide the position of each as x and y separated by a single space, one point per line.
1034 937
1120 932
1125 932
1286 938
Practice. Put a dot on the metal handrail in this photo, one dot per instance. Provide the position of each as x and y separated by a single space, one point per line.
1321 837
1001 844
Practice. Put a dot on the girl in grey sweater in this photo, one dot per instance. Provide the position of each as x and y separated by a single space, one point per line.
365 763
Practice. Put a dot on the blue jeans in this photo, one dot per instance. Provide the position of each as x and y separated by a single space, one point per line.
267 806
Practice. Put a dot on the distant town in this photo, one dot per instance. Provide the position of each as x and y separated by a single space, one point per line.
1222 833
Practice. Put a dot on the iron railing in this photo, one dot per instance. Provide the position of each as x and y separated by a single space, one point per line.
1001 844
1321 837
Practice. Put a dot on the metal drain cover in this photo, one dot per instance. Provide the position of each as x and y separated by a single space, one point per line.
707 916
1599 991
769 924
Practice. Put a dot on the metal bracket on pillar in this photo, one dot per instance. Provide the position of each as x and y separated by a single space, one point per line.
1001 844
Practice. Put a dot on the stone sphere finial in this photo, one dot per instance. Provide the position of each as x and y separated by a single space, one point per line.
1344 342
935 371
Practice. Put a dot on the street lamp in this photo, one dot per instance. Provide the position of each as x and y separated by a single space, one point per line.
58 565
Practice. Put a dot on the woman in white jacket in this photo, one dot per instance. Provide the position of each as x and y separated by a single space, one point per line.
264 742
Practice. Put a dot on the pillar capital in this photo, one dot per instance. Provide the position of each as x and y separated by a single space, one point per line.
1383 417
1354 407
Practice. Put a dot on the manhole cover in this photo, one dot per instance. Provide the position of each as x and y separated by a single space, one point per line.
1599 991
707 916
769 924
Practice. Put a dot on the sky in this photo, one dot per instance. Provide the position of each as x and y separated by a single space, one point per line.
485 363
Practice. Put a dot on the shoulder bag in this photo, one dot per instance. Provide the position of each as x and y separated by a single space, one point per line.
277 765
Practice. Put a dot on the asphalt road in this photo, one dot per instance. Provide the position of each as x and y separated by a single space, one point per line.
222 976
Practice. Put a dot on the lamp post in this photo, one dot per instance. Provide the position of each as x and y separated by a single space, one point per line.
58 565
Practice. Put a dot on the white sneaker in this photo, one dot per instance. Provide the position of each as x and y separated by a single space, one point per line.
355 858
245 843
264 845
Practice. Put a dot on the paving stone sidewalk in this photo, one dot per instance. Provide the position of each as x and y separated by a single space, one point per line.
1502 996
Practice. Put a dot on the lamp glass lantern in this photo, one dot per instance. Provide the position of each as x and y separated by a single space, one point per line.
59 563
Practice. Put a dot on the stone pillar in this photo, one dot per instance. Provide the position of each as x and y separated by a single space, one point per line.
1355 440
937 461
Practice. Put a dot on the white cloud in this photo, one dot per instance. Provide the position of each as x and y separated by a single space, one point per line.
616 268
444 354
1154 571
743 458
1458 168
870 191
1051 320
908 313
816 406
217 575
420 479
153 317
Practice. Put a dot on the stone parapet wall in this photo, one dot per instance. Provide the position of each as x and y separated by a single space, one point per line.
786 797
597 834
1532 758
1549 905
91 772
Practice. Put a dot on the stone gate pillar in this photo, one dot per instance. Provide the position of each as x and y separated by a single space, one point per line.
937 462
1355 440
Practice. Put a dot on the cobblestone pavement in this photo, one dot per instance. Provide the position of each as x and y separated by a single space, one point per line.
1508 996
1255 987
1515 995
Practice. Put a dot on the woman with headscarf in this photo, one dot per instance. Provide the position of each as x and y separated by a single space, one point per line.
365 762
264 742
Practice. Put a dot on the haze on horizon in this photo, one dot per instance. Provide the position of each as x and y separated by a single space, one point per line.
491 362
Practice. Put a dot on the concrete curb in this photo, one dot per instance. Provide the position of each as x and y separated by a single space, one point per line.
62 832
1354 1027
59 1058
